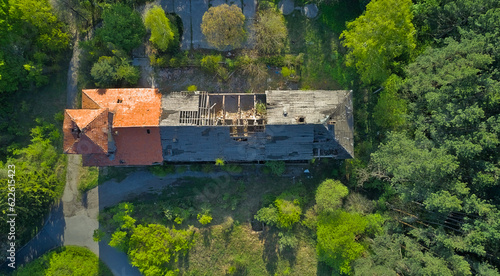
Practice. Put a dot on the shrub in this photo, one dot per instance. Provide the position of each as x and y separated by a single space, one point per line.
261 108
192 88
163 33
232 168
287 72
223 26
162 170
210 63
267 215
219 162
288 212
329 195
204 219
277 167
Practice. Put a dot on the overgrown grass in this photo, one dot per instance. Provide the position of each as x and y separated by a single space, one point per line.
66 260
116 173
233 202
89 178
323 66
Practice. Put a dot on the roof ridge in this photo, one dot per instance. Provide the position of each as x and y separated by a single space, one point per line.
103 109
83 91
99 113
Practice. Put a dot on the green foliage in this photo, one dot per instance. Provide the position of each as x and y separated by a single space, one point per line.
390 110
39 177
155 249
32 43
417 171
337 239
122 27
67 260
261 108
192 88
223 26
107 71
277 167
119 240
289 212
268 215
219 162
162 170
98 235
210 63
232 168
163 33
204 219
287 72
270 32
287 240
329 195
375 53
89 178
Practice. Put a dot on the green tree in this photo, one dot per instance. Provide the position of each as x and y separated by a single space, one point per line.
223 26
270 32
380 38
163 33
154 248
103 72
39 179
329 195
391 109
337 239
289 212
121 26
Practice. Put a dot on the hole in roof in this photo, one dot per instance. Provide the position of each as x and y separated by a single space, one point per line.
301 119
119 101
148 131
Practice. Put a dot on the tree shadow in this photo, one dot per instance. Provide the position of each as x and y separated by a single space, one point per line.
207 237
270 253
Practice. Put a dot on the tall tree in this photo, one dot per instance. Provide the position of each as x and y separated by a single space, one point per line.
163 33
380 39
121 26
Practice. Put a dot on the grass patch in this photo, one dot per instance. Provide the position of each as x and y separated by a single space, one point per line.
66 260
232 203
162 170
323 66
117 173
89 178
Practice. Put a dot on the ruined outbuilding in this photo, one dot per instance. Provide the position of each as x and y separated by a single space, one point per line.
132 127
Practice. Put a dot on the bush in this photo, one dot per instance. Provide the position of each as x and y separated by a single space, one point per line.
289 212
277 167
163 33
204 219
66 260
329 195
210 63
192 88
287 72
261 108
223 26
219 162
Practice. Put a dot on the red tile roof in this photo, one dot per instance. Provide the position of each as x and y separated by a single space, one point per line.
134 146
132 107
86 131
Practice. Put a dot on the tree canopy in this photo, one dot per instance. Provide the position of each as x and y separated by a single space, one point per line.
122 27
379 38
163 33
223 26
270 32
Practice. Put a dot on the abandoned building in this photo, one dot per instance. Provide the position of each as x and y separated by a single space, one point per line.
131 127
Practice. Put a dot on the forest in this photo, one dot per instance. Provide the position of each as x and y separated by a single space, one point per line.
421 196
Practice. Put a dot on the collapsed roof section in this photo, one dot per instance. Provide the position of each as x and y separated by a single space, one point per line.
139 127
